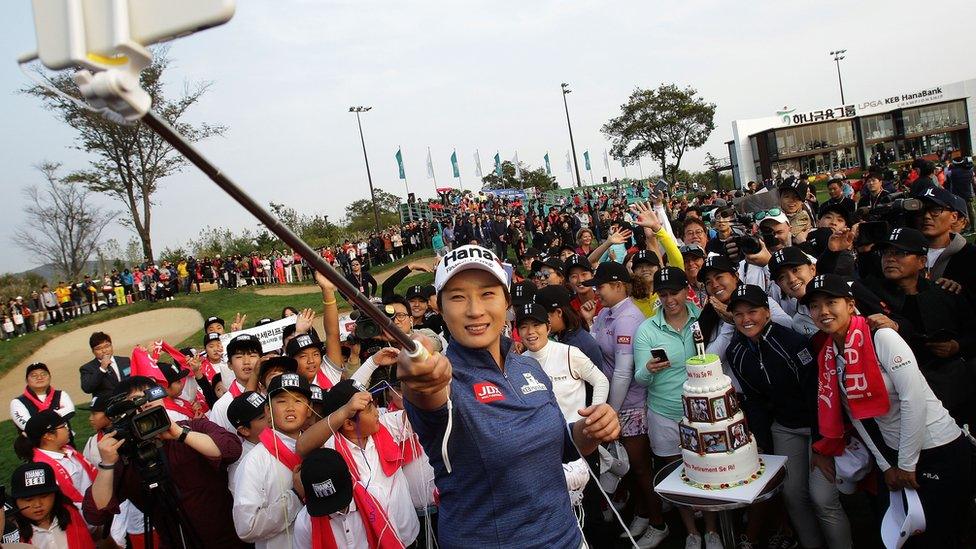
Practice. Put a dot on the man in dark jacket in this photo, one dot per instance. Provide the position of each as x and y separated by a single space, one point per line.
101 375
835 189
499 233
950 256
960 181
932 321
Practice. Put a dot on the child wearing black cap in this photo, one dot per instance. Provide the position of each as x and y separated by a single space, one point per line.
178 408
267 491
45 516
38 395
372 446
248 414
330 518
45 440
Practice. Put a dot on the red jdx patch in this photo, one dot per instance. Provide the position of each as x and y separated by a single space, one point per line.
623 340
487 392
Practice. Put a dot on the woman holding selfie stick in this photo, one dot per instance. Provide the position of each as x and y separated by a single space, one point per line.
876 377
489 421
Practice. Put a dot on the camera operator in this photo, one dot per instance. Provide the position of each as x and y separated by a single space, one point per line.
195 455
950 256
933 319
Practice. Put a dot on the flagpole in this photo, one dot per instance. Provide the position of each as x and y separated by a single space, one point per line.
640 168
433 175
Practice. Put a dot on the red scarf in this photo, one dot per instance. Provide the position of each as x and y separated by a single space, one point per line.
76 532
380 532
277 448
41 406
322 380
61 474
393 455
234 389
208 369
180 406
867 396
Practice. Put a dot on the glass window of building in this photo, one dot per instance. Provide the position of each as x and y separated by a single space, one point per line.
879 126
934 117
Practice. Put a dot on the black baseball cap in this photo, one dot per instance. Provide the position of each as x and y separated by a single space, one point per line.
960 205
243 342
245 407
318 395
286 363
553 297
339 395
817 241
531 252
906 239
429 291
327 482
522 292
172 372
263 321
796 185
301 342
938 196
790 256
415 292
645 256
213 320
692 249
751 294
670 278
210 337
32 479
44 422
555 264
718 263
34 366
290 382
531 310
608 271
97 404
577 262
828 284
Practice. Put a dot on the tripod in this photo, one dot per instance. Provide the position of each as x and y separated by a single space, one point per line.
172 521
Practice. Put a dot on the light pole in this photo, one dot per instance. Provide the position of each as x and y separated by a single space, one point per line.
572 145
838 55
372 193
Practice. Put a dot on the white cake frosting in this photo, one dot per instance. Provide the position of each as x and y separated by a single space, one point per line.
717 448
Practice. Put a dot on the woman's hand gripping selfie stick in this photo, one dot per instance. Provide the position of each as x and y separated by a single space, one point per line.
415 350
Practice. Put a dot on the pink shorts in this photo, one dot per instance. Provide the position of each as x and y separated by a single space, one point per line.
633 422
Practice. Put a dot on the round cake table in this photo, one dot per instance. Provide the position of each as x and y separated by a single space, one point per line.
717 504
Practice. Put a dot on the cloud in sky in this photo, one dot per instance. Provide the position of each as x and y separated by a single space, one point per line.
473 75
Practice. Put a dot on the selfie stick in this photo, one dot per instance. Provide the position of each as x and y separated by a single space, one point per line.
162 128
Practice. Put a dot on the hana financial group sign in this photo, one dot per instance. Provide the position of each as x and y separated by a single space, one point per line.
927 95
791 117
919 97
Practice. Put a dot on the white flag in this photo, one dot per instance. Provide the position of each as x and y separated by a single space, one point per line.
518 171
569 163
430 165
606 160
477 164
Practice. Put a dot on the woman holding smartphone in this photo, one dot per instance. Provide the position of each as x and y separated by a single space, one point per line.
662 345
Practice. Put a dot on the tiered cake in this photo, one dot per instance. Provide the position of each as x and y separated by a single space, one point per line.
717 447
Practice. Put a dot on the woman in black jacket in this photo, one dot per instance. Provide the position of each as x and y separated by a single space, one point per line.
777 370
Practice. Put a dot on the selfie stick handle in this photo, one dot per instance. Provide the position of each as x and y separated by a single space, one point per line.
273 224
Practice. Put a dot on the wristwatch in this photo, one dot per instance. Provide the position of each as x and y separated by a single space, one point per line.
182 437
108 467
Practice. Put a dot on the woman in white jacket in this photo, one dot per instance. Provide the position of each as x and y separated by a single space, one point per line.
570 371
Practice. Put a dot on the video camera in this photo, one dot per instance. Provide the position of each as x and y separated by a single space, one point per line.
366 333
876 222
139 428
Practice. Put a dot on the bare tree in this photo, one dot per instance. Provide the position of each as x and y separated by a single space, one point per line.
62 226
129 161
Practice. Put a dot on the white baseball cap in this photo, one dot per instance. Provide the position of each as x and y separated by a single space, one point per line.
852 466
902 520
467 257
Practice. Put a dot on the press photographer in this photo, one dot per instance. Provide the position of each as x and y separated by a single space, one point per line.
175 473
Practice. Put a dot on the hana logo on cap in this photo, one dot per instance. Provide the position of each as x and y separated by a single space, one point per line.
323 489
256 400
289 380
35 477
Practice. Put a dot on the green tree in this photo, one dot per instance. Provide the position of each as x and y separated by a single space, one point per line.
529 178
315 230
359 214
129 161
664 123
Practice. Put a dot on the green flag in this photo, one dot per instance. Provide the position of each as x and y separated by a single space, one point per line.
548 168
586 159
457 173
498 165
399 159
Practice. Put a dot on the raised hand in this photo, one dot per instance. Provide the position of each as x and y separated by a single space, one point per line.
304 321
620 236
238 323
646 217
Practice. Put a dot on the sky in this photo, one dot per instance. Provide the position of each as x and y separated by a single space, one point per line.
470 75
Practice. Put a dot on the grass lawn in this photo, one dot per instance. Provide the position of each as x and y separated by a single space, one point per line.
223 303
